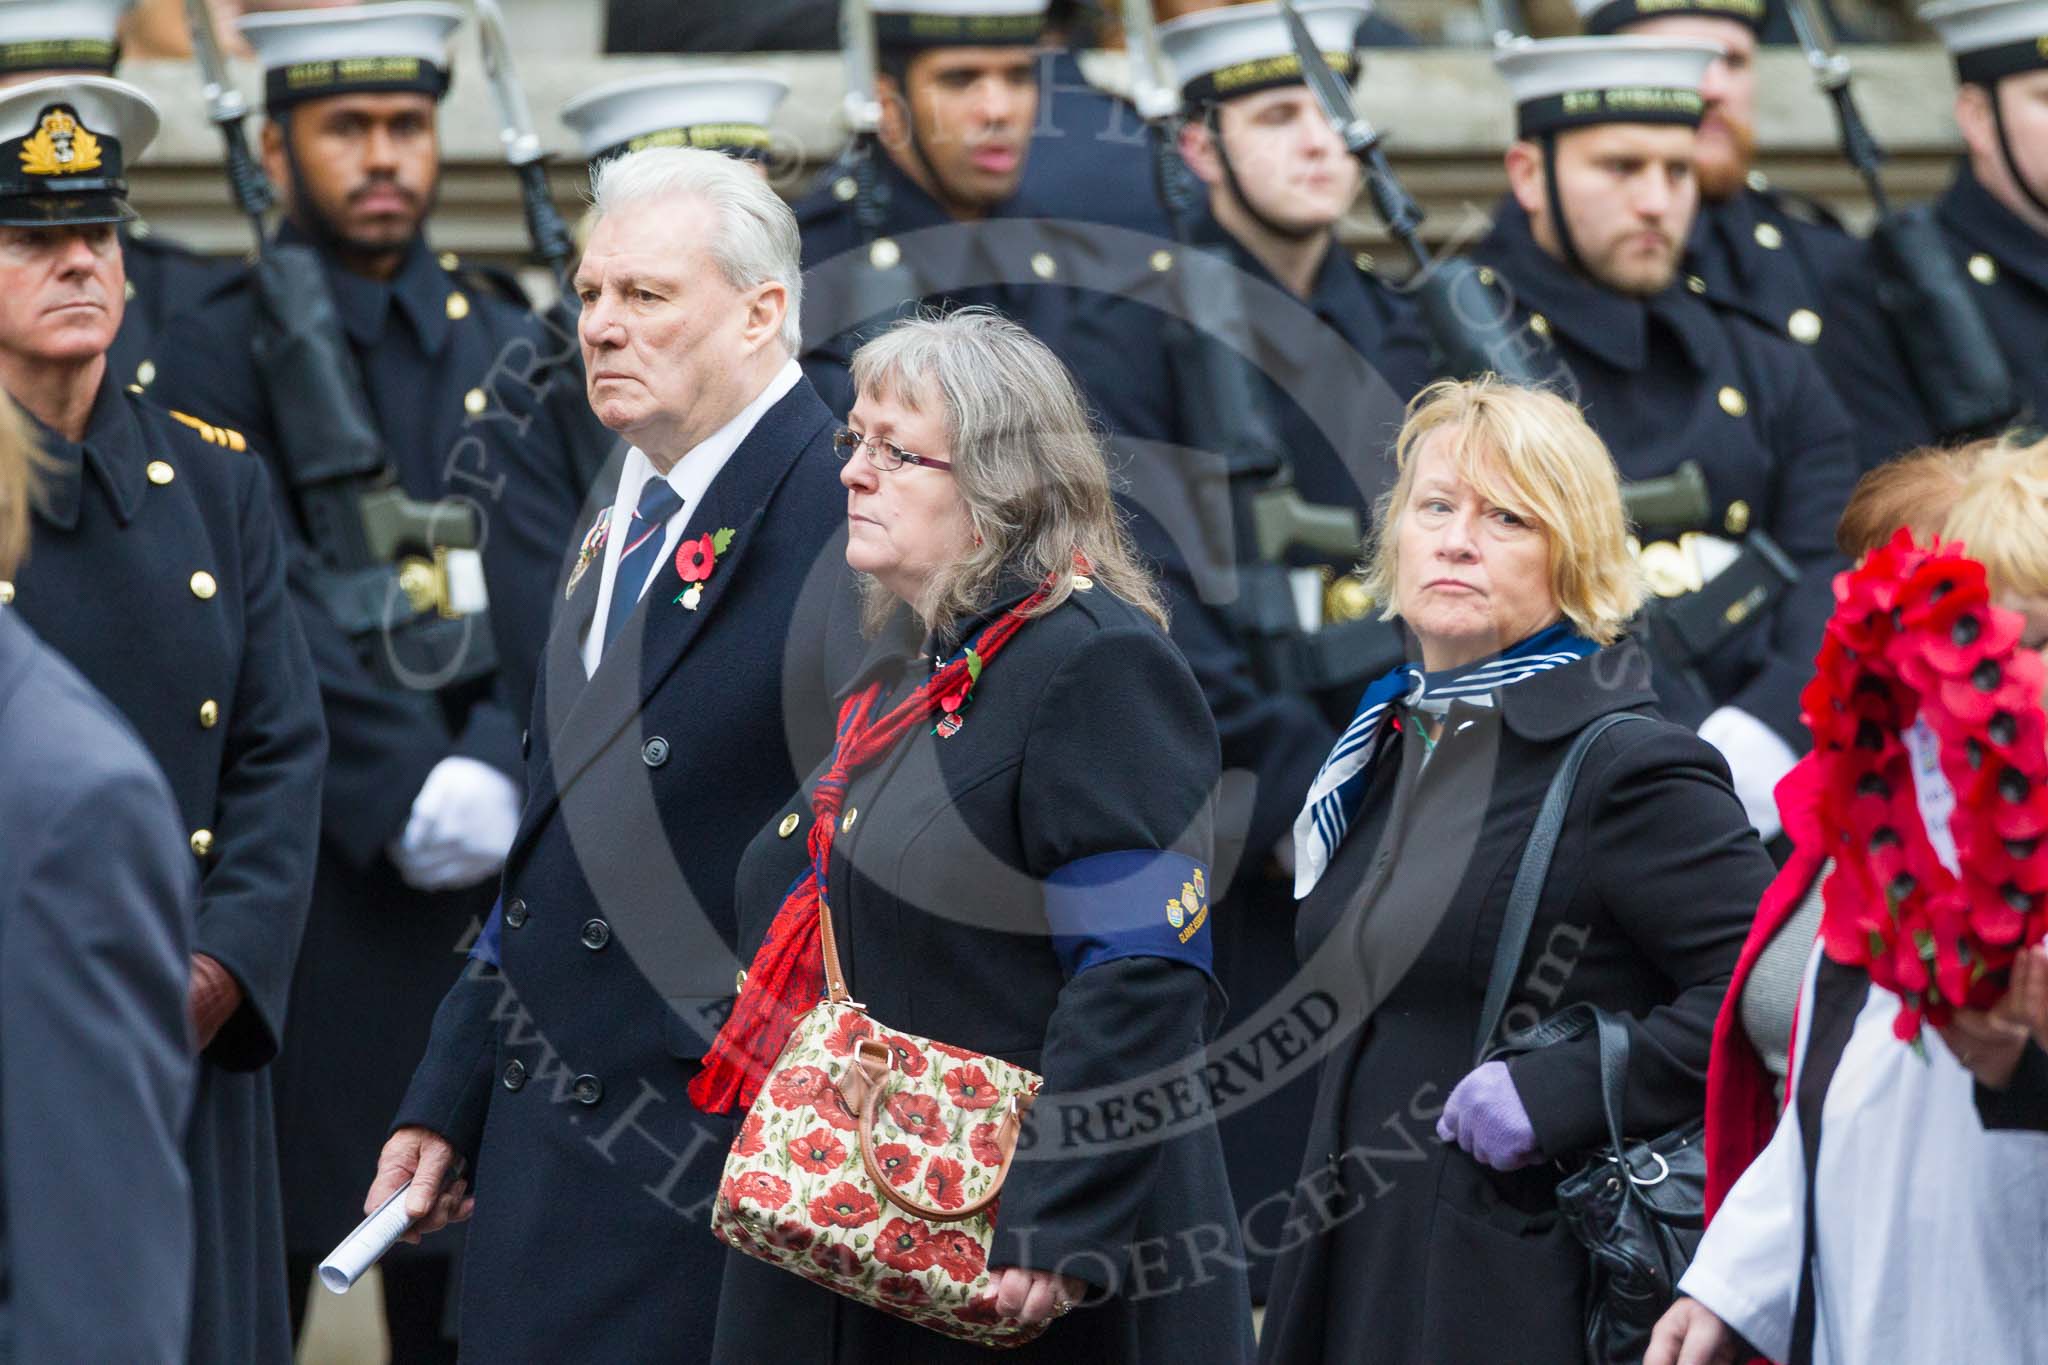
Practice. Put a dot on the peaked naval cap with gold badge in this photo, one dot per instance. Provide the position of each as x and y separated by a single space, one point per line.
60 35
65 142
310 54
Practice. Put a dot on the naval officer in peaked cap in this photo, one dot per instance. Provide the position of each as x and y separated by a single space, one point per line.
158 572
79 38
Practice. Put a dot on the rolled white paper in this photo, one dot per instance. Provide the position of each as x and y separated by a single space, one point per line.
362 1248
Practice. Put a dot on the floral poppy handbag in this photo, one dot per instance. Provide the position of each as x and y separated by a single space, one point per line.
871 1162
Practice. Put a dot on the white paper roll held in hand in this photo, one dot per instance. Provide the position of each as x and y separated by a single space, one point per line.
363 1248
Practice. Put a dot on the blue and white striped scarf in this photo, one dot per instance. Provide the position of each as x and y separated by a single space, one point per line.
1339 789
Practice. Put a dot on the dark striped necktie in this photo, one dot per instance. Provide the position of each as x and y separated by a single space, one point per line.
658 502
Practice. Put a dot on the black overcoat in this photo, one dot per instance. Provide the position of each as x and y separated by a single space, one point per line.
1086 736
561 1074
459 387
1772 254
1681 376
1399 1248
1335 371
2003 264
158 571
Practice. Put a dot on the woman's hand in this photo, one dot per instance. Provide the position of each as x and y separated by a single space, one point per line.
1033 1296
1989 1042
1484 1115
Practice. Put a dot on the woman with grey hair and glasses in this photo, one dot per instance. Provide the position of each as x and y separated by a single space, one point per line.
1013 837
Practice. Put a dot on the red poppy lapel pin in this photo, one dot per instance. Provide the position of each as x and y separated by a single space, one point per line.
593 546
695 559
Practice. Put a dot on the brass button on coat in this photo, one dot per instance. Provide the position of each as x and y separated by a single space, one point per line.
1983 269
846 823
203 586
160 472
474 402
739 981
1732 401
884 254
458 305
1539 324
6 593
1737 520
1162 261
1768 237
145 373
596 933
1804 326
788 825
209 714
1043 265
202 842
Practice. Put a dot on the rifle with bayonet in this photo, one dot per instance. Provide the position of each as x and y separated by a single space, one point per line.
544 226
396 574
1968 387
1268 515
1459 309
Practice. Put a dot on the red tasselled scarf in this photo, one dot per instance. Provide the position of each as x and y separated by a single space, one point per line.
787 975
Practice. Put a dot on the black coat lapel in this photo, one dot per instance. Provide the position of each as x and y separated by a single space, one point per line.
661 629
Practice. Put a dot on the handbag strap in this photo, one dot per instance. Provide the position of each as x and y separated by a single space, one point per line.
862 1086
1529 879
835 979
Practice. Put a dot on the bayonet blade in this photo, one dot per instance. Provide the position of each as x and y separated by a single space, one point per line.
861 105
1817 37
224 103
516 131
1331 93
1150 91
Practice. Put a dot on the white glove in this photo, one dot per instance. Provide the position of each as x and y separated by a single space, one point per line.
1757 759
462 826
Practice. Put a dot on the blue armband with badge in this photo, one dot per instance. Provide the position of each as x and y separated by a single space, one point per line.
1132 903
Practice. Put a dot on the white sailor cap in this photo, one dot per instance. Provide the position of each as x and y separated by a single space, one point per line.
912 25
1561 83
65 145
1612 16
1216 54
75 35
1990 39
726 111
312 53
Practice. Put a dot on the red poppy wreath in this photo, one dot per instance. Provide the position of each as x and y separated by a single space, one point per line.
1924 706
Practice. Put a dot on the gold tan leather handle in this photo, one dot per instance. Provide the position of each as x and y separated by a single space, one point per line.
862 1086
835 979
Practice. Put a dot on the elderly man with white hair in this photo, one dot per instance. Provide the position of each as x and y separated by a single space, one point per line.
680 699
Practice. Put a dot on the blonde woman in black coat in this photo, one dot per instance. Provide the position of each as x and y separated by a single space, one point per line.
1425 1227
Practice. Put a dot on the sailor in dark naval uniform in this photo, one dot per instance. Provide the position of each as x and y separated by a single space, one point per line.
1994 218
164 279
1587 245
1331 356
428 644
159 573
912 211
1754 244
1091 155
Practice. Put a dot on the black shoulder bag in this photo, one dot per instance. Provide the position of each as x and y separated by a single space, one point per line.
1638 1207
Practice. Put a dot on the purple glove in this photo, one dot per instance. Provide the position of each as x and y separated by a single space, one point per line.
1485 1116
